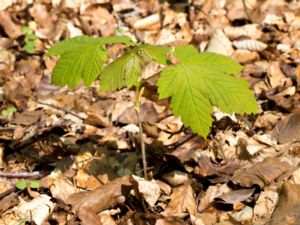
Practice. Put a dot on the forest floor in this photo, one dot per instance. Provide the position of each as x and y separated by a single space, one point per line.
73 156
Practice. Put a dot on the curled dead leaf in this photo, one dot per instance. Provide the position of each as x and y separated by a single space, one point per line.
261 174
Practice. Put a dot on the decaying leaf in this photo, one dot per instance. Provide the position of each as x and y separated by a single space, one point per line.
287 211
182 202
264 207
235 197
150 190
243 216
219 43
28 118
175 178
216 172
261 174
211 193
38 209
248 30
89 204
8 202
288 129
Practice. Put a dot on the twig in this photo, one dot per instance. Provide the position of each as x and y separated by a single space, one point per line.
179 143
61 108
7 128
23 175
7 192
150 77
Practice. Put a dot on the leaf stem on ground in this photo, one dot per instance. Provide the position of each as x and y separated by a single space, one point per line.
138 94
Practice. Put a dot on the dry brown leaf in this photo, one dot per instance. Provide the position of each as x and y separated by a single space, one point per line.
211 193
149 189
61 188
28 118
264 206
37 209
151 22
89 204
243 216
106 219
220 44
287 211
234 198
182 202
175 178
98 21
261 174
245 56
8 202
216 173
288 129
96 120
10 28
139 218
277 77
249 30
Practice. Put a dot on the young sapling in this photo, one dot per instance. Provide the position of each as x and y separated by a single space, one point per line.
194 83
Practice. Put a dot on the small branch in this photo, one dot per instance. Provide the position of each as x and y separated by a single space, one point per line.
61 108
23 175
7 128
7 192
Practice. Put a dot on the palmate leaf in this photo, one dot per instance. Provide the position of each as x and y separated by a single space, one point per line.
81 58
201 81
126 70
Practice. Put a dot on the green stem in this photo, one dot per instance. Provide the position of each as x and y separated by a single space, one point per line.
139 92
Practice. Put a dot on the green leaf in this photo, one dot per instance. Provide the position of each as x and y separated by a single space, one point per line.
8 111
29 47
201 81
22 184
31 37
153 53
25 29
22 221
126 70
81 58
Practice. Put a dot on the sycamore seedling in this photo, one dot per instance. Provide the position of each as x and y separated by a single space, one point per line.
195 82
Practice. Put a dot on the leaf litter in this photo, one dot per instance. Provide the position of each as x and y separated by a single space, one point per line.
85 143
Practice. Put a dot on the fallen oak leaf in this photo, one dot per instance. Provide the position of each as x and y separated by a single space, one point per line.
89 204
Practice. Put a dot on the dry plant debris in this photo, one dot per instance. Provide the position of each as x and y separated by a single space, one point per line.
83 146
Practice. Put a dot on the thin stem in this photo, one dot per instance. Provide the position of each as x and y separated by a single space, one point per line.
139 92
246 10
23 175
